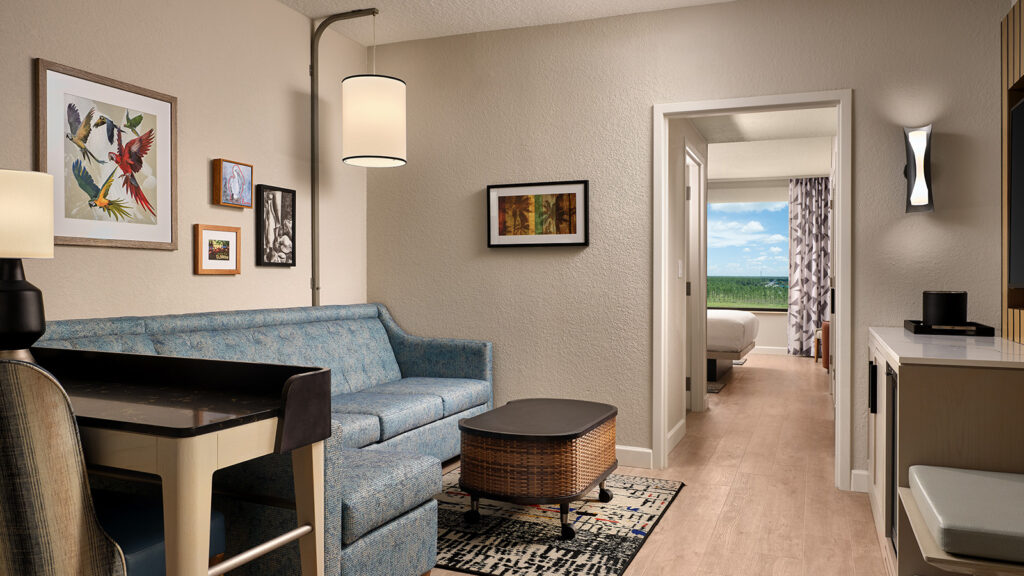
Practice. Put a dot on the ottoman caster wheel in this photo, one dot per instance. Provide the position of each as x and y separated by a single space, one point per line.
605 495
472 516
567 532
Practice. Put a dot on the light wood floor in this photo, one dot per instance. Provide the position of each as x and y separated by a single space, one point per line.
760 496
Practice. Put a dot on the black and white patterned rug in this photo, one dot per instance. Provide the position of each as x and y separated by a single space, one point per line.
517 540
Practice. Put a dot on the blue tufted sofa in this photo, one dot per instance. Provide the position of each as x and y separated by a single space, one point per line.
396 402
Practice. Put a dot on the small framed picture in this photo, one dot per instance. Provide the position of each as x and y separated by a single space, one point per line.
232 183
216 249
275 226
538 214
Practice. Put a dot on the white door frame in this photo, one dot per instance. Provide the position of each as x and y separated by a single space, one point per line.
842 211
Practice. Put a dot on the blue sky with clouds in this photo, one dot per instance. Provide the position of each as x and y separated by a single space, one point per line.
748 239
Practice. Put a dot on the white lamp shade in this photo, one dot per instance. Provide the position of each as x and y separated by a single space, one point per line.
26 216
918 142
373 121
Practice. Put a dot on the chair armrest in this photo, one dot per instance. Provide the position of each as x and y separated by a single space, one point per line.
438 357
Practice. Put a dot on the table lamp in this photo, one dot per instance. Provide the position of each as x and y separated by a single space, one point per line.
26 231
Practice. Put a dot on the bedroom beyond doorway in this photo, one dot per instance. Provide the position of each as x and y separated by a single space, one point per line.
775 228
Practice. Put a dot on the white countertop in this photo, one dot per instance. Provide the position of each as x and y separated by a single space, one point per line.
909 348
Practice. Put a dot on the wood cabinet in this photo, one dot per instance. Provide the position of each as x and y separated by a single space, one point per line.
948 401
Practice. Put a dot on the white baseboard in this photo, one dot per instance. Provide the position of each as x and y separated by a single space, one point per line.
635 457
677 433
860 481
776 350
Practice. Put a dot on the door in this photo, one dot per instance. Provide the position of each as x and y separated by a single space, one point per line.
696 179
677 312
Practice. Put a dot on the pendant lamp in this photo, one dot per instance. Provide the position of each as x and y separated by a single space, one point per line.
373 117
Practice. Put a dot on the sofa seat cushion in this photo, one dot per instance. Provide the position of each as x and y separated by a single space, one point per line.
972 512
357 430
457 394
397 412
378 486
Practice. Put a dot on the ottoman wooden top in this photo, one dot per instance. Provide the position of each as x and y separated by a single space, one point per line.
552 418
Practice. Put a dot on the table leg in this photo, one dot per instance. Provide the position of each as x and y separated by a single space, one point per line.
567 531
186 467
308 472
472 515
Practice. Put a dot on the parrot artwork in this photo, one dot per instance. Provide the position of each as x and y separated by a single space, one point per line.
79 132
129 159
132 123
98 194
111 127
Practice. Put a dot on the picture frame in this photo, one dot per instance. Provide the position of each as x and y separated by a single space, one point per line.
112 150
275 226
232 183
538 214
217 249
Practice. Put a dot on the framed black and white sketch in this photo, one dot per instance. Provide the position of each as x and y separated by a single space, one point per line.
275 226
538 214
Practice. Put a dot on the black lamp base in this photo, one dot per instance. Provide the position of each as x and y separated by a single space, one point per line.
22 321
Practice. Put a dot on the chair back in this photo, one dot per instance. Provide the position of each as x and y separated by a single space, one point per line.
48 525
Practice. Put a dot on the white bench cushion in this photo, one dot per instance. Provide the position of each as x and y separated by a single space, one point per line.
972 512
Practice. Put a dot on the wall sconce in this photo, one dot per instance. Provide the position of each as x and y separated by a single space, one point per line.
918 170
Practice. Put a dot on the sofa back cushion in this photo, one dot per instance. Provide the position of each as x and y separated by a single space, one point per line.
126 335
350 340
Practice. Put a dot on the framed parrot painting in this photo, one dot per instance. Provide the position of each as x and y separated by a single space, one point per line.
112 150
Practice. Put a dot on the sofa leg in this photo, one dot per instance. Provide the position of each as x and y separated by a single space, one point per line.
427 573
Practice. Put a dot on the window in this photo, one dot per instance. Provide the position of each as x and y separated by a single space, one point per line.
748 255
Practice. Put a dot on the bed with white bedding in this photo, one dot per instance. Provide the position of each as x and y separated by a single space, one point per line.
731 335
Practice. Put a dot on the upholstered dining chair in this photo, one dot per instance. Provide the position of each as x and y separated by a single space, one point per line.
48 522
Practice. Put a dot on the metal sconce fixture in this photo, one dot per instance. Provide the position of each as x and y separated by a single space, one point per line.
373 124
918 170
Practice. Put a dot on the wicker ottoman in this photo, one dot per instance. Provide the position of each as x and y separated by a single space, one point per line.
538 451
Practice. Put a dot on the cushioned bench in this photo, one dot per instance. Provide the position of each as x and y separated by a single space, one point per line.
967 513
396 402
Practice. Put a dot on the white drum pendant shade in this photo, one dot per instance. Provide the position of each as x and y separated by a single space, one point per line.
373 121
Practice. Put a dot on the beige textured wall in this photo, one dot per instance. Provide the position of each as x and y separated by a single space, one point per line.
239 69
574 101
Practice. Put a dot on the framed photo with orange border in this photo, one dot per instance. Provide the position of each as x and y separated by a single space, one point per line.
538 214
217 249
232 183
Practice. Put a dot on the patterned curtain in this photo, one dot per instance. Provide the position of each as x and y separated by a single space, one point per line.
810 242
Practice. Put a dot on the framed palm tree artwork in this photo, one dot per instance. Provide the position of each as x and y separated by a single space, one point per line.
538 214
112 150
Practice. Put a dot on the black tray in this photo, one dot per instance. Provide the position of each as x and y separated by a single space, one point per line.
968 329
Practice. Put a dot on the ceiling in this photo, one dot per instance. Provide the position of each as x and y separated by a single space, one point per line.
775 125
401 20
770 159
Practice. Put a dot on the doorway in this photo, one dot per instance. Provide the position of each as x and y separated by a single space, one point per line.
668 117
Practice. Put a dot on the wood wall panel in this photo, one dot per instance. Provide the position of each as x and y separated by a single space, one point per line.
1004 78
1011 69
1018 55
1016 44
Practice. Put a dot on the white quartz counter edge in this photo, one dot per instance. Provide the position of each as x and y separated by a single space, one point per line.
907 348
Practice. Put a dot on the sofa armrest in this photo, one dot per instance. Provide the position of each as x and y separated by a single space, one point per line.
438 357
